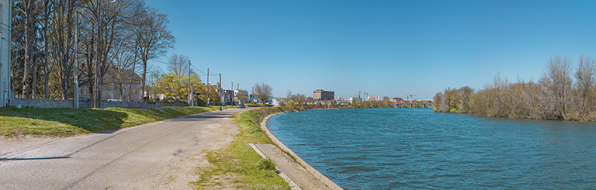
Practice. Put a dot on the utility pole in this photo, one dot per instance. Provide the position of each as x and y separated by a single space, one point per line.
76 69
189 88
219 90
208 89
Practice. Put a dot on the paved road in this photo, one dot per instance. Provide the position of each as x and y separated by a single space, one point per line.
159 155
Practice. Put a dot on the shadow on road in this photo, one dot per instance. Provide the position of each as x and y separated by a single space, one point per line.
43 158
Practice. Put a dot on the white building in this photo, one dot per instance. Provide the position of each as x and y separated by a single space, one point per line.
355 99
238 93
5 15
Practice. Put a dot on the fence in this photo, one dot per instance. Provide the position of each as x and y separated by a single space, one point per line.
43 103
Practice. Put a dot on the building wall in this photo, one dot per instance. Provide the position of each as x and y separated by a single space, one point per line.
5 91
323 95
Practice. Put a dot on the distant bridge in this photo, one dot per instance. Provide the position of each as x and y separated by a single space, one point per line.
405 104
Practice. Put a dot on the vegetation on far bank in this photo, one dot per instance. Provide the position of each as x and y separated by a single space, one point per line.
560 94
69 122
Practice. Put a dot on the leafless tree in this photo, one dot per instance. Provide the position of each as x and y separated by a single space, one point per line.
585 81
154 38
262 91
242 96
178 64
556 82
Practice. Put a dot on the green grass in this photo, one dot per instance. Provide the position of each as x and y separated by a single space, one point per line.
238 161
69 122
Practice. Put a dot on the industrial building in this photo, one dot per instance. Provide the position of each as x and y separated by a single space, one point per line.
323 95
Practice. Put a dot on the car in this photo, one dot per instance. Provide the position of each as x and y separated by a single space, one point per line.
241 106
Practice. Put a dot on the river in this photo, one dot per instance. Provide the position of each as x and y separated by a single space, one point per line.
418 148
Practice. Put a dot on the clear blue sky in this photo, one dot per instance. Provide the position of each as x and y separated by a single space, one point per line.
387 48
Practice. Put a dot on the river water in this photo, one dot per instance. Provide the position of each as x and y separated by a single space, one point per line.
418 148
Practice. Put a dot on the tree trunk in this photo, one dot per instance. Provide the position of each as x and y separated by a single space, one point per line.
132 74
47 79
34 86
27 60
45 57
144 77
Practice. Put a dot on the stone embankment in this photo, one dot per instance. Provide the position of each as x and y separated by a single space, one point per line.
302 174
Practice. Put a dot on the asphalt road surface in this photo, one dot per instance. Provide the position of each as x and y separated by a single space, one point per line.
158 155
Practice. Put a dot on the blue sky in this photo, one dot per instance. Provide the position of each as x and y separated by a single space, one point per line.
387 48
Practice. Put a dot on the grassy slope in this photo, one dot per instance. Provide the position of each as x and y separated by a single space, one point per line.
238 161
68 122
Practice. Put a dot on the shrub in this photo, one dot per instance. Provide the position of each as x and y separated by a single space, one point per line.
266 164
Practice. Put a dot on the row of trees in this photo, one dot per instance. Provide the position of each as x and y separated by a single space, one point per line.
120 36
562 93
175 85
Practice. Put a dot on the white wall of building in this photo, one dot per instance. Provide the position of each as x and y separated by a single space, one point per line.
5 26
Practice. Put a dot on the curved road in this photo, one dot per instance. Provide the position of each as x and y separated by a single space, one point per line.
158 155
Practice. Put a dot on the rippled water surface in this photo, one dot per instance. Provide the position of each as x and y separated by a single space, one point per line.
418 148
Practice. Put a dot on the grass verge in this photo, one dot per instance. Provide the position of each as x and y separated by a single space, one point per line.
238 162
68 122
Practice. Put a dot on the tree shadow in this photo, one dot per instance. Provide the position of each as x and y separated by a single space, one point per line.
46 121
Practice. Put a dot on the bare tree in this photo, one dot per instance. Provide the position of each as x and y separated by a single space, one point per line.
585 80
556 82
178 64
26 28
289 95
154 38
242 95
62 41
153 73
263 91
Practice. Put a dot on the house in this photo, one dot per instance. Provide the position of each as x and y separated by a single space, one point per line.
240 95
5 18
116 86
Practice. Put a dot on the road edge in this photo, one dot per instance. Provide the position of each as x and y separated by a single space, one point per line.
308 168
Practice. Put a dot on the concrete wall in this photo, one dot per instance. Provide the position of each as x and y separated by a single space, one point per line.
41 103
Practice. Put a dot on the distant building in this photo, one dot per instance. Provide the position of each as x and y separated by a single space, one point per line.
323 95
356 98
116 85
240 95
398 99
253 98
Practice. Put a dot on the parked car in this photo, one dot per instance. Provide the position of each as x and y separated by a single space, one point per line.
241 106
